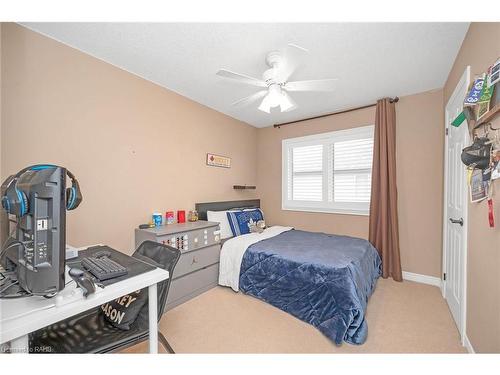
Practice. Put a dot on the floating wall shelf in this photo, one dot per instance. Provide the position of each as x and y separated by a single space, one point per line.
243 187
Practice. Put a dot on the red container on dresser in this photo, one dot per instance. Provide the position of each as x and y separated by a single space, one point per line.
181 216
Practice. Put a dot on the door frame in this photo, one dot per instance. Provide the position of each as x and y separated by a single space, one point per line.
465 79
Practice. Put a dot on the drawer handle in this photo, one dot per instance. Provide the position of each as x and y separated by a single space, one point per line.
194 260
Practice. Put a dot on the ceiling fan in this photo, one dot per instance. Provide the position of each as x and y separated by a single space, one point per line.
275 80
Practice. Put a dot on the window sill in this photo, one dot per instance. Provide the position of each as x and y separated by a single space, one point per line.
327 211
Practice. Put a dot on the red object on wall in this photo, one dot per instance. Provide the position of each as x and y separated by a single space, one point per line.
181 216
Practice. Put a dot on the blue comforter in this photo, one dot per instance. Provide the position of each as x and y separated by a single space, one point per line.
322 279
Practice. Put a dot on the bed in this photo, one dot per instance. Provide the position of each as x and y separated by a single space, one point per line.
322 279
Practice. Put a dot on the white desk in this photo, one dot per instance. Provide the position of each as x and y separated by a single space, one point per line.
21 316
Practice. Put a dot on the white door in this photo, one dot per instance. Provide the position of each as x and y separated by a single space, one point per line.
455 207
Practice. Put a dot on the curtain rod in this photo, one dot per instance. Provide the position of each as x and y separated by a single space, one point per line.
393 100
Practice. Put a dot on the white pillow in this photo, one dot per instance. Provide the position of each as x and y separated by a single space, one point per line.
221 218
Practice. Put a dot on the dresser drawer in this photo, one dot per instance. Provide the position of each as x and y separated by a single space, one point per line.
192 240
188 286
194 260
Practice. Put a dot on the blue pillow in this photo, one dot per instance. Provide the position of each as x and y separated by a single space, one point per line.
239 220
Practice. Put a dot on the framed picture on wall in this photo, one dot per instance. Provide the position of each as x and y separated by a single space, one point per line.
218 161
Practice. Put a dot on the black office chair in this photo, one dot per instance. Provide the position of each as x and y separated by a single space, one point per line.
89 332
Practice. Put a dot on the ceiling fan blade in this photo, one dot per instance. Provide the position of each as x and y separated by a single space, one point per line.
242 78
293 57
313 85
250 99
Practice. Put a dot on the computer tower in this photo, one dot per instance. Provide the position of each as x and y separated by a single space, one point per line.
41 260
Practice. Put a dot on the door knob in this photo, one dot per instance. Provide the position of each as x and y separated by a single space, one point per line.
459 221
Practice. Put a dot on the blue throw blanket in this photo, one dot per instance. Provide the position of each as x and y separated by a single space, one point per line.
322 279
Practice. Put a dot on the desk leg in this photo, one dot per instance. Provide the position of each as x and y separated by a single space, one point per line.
20 345
153 319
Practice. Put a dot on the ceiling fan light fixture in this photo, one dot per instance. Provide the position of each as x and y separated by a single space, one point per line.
275 95
287 103
265 105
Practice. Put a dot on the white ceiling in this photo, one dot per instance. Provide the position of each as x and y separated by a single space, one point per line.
371 60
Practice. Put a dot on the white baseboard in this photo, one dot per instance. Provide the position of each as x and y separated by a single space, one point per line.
424 279
468 345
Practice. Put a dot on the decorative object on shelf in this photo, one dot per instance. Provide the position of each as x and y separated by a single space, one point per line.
181 216
193 216
218 161
494 73
482 102
474 94
486 118
243 187
157 219
169 216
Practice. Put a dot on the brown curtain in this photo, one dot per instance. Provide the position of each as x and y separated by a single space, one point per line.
384 233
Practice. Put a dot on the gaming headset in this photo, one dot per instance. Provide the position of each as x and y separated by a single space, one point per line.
15 201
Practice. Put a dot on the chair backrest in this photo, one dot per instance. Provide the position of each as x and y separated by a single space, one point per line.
162 256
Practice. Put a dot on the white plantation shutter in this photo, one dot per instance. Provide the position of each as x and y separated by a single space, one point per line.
307 173
329 172
352 170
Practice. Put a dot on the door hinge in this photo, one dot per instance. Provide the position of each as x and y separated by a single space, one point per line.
447 131
444 276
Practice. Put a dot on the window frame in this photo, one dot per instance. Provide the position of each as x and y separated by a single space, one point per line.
326 139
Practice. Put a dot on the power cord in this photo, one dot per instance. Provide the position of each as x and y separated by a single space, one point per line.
21 293
8 286
14 243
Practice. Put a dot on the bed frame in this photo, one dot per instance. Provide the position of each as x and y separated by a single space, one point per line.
202 208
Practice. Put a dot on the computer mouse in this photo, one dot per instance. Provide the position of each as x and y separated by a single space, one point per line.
86 284
76 272
83 281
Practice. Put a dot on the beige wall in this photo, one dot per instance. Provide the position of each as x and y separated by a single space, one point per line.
420 133
134 146
420 153
480 49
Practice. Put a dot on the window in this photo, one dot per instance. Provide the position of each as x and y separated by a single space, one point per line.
329 172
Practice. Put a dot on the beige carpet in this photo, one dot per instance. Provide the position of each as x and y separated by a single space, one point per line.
402 318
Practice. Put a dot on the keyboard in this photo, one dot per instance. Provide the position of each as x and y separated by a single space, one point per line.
103 268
